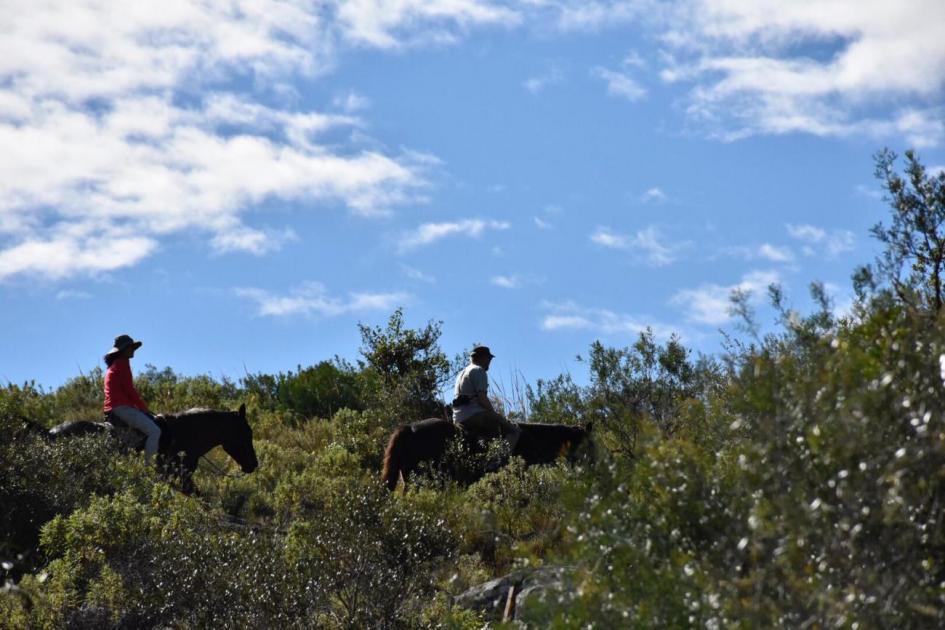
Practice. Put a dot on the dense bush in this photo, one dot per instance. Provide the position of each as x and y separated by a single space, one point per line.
314 392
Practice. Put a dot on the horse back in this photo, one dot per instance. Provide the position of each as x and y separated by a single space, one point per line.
428 437
73 428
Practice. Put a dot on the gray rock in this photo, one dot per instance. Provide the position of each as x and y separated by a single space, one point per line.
532 587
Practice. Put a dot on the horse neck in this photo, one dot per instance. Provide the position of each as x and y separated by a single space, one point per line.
547 439
200 432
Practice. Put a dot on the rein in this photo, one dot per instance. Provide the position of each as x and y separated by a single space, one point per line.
219 471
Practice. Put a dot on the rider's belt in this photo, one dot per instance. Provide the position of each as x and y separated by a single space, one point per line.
461 400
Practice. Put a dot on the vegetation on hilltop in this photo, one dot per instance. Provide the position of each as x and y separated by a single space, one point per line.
798 480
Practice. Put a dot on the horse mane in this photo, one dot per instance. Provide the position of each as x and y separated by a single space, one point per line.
556 430
193 411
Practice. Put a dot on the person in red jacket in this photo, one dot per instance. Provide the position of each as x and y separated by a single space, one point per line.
121 397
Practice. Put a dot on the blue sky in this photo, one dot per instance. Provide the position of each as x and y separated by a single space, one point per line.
239 184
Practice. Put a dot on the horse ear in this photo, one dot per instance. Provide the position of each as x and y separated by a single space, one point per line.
243 411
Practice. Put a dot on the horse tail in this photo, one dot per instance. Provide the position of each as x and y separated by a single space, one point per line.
393 457
31 426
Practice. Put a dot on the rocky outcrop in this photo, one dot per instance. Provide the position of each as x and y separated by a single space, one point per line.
527 589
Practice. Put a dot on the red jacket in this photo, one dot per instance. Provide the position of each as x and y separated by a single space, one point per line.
120 388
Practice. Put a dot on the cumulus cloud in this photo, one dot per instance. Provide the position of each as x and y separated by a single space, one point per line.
552 76
253 241
313 299
818 241
654 194
108 148
515 280
541 224
711 303
593 15
417 275
775 254
648 243
390 25
507 282
606 238
572 316
71 294
428 233
620 84
759 66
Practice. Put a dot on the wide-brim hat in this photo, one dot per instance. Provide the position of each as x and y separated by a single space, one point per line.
123 342
480 351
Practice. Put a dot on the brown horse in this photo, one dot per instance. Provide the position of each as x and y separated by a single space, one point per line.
426 442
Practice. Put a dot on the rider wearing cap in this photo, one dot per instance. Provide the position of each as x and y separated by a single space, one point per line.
122 399
472 408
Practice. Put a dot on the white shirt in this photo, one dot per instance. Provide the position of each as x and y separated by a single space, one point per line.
470 382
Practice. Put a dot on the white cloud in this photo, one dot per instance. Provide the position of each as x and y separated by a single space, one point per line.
64 251
775 254
606 238
654 194
765 251
536 84
840 241
507 282
313 299
71 294
352 102
252 241
620 84
562 322
428 233
711 303
648 242
807 233
570 315
817 239
755 69
594 15
386 24
515 280
869 192
107 151
541 224
417 275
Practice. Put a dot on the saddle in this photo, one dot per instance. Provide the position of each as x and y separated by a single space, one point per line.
128 434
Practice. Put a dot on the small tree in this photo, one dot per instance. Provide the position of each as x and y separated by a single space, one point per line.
644 381
410 364
913 261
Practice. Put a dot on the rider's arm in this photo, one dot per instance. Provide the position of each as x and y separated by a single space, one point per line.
128 384
480 382
484 401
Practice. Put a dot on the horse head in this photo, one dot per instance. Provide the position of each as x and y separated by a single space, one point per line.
238 441
584 447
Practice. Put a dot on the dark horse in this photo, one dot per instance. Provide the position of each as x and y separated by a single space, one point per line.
427 441
185 438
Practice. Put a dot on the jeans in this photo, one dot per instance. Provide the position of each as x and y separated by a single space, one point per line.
137 419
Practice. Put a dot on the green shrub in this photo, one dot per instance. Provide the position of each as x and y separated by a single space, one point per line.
372 556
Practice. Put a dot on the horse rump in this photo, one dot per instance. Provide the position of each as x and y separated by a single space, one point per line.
394 456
